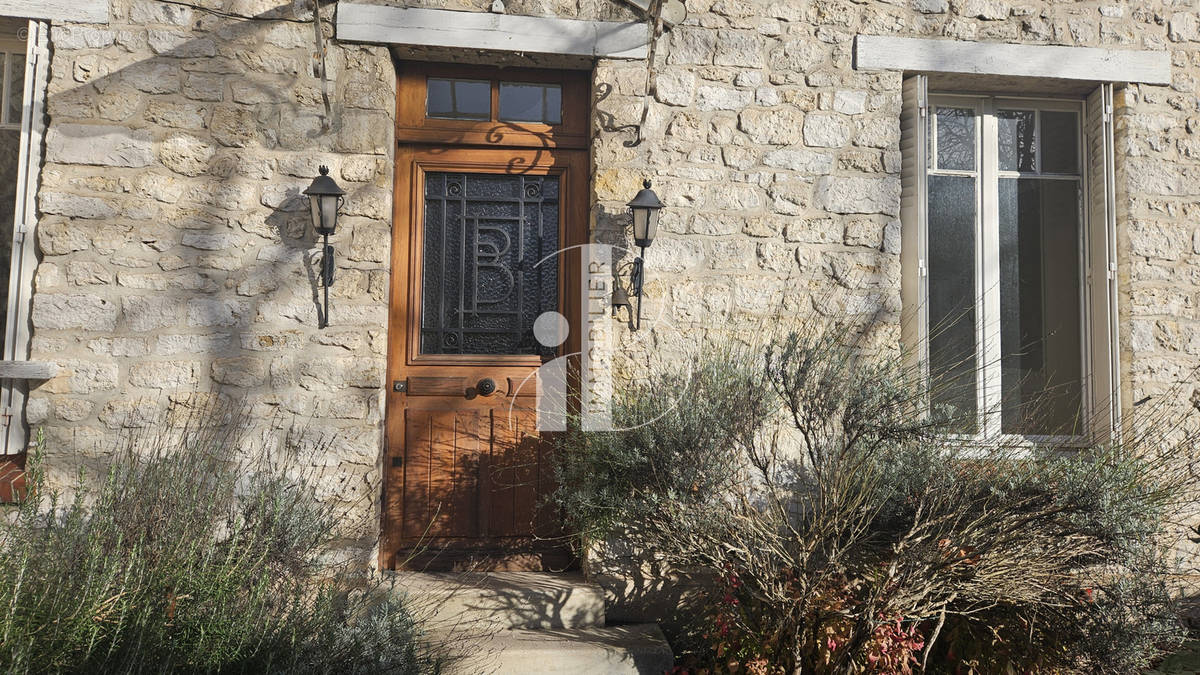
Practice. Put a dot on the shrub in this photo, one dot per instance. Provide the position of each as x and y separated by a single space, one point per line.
848 533
201 549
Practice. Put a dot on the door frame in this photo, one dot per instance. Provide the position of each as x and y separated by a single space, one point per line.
456 145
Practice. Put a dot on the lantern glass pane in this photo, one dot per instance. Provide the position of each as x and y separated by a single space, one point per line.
651 223
641 222
314 205
329 204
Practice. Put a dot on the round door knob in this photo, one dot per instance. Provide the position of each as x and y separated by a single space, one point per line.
486 387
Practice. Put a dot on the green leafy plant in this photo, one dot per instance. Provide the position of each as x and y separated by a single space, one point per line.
202 548
848 531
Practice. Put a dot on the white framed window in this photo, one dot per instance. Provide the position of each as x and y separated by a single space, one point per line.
1008 272
12 83
22 121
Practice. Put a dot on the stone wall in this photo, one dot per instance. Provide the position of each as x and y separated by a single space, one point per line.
177 259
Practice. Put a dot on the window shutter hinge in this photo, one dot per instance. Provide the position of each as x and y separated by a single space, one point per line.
922 269
1112 270
1108 112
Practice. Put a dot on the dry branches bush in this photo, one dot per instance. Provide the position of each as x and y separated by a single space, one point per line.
203 548
848 532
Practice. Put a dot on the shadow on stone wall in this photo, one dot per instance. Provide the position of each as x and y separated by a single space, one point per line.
178 261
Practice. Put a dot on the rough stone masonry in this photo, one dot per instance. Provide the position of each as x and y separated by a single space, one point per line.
178 262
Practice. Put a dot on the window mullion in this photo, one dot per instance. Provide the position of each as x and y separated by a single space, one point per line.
989 274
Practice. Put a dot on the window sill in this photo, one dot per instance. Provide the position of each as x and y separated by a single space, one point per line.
28 370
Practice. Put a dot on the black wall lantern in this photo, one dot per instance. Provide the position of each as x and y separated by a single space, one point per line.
325 198
644 207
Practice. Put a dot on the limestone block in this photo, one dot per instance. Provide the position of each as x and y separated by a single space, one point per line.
99 145
370 244
988 10
164 374
692 45
844 194
70 310
240 371
774 127
1184 27
881 132
791 197
153 77
120 347
70 409
799 159
133 413
86 273
168 345
800 56
234 126
176 114
144 12
931 6
166 189
738 48
56 237
37 410
71 37
721 98
207 312
675 87
86 377
146 313
179 44
212 241
204 87
75 206
850 102
364 132
826 130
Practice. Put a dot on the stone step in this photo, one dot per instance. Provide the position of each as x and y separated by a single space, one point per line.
484 602
637 649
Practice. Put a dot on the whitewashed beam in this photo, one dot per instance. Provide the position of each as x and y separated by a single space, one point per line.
77 11
878 52
28 370
483 30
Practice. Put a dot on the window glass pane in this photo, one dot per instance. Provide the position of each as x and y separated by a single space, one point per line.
951 306
1060 142
956 139
489 266
1040 335
10 144
458 99
524 102
1015 129
16 88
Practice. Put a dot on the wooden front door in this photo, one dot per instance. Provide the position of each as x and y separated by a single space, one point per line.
482 247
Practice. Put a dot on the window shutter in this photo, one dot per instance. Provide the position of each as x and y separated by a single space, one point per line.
913 150
24 255
1101 266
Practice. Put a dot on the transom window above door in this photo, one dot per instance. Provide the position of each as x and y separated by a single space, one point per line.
1010 308
492 106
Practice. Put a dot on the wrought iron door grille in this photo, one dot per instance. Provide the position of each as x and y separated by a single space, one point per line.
489 266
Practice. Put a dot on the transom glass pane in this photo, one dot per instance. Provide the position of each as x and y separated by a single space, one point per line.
956 139
1015 128
530 102
489 266
1060 142
951 329
1040 286
458 99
